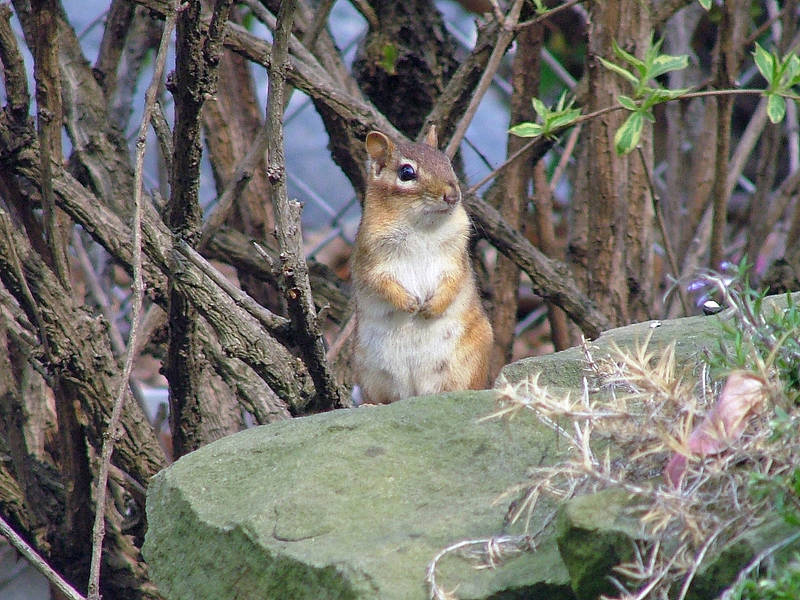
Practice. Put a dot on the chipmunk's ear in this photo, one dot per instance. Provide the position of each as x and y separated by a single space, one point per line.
431 138
379 149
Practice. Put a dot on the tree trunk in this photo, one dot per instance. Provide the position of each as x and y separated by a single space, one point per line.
513 190
611 242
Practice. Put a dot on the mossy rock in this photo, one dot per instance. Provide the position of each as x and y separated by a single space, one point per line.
349 504
594 534
598 531
356 503
722 568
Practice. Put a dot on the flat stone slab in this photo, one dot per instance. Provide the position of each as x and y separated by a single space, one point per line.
349 504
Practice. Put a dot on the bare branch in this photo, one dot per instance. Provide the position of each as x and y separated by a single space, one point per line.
242 337
77 345
112 432
551 279
16 82
238 182
449 105
665 239
38 562
727 58
233 247
197 52
294 270
275 324
367 12
49 118
320 18
118 22
505 38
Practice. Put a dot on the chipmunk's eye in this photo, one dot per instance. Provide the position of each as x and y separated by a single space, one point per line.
406 173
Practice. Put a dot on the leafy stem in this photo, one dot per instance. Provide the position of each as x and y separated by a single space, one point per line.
782 74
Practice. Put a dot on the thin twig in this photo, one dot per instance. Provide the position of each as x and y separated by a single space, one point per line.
490 553
294 280
112 433
744 147
662 227
759 558
38 562
569 148
503 40
242 175
453 98
367 12
25 290
96 289
163 135
700 556
544 144
344 335
318 23
547 15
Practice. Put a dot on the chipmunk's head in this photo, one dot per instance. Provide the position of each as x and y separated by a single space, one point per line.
414 181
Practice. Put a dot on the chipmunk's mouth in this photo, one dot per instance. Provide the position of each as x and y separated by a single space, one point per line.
441 211
449 202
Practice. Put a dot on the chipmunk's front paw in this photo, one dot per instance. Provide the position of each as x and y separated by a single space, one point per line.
428 310
412 305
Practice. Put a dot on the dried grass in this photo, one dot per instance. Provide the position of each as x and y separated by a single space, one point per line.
637 410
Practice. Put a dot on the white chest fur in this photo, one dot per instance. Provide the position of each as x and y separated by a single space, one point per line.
408 353
419 265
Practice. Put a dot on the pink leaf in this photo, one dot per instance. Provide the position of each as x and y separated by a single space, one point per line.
723 424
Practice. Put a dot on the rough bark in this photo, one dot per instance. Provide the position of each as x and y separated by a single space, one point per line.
727 55
513 195
550 279
408 55
545 230
197 60
118 22
293 279
76 353
611 239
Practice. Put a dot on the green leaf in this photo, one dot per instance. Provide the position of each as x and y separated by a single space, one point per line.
563 118
629 134
776 108
388 61
562 101
627 103
663 95
706 4
665 63
619 71
526 129
540 108
765 63
629 58
791 72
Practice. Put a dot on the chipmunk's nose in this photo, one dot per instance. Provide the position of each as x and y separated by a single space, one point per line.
451 195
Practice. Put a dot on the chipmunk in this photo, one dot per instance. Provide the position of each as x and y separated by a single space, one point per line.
420 327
